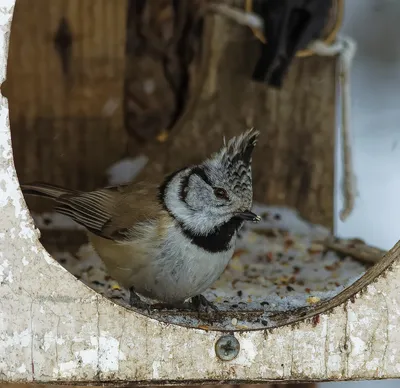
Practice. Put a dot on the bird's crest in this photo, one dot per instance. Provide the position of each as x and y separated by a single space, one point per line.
239 148
233 160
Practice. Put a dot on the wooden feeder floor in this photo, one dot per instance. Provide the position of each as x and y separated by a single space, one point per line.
280 265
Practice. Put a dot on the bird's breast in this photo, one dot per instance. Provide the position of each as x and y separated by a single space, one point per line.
185 269
165 263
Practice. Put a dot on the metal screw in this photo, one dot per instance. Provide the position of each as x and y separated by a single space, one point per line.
227 348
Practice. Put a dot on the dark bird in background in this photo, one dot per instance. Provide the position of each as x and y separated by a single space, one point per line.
289 26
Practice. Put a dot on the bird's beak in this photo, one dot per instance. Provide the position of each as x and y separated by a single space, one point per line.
248 216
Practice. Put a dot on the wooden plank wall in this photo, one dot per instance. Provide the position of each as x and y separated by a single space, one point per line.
67 128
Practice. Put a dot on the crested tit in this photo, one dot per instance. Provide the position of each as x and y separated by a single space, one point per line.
168 241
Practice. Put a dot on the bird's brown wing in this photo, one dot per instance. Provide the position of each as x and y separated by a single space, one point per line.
112 212
138 203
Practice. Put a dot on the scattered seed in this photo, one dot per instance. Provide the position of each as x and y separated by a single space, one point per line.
296 270
239 252
289 288
313 299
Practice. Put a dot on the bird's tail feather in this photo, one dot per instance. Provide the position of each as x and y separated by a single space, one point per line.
45 190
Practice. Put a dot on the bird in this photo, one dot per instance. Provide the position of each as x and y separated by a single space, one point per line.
168 241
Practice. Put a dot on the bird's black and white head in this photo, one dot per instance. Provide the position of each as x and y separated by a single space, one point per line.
216 192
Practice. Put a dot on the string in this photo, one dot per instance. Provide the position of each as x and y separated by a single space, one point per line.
345 48
332 45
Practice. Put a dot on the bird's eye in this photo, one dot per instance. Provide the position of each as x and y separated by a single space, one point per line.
220 193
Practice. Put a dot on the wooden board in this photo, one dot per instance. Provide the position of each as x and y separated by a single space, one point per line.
294 160
67 129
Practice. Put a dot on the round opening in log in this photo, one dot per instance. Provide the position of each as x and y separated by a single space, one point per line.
163 97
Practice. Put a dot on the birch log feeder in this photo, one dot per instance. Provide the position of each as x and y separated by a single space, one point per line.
56 329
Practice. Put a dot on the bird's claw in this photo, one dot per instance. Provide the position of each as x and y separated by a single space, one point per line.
135 301
200 302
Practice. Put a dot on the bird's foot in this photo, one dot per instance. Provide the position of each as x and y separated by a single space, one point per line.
172 306
135 301
200 303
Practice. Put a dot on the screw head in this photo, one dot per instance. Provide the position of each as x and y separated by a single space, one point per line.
227 347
